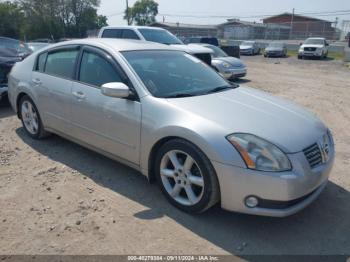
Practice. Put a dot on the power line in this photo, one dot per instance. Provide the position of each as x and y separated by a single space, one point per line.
324 13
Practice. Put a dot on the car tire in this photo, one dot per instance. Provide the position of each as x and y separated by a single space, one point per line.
194 188
300 57
31 119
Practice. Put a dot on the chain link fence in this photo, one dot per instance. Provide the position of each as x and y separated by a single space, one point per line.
280 31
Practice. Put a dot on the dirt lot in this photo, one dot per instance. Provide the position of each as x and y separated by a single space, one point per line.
59 198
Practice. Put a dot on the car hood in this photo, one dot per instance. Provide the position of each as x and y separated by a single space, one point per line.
9 61
274 49
193 49
245 47
10 56
247 110
231 60
317 46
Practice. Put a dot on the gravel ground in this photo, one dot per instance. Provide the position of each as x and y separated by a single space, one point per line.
59 198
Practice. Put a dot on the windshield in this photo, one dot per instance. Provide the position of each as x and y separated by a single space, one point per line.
14 45
276 45
174 73
248 43
160 36
218 52
314 41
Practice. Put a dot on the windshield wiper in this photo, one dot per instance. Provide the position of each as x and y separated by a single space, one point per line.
180 95
221 88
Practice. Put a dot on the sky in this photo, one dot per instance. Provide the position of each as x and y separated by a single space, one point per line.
249 10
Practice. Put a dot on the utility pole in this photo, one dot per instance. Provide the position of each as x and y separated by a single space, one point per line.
127 12
291 24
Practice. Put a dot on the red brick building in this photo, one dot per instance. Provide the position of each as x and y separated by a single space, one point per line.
304 26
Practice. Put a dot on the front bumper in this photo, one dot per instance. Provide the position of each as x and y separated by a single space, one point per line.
233 73
280 194
274 53
310 53
246 51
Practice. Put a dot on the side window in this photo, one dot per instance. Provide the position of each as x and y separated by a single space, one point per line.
112 33
61 63
130 34
96 70
41 62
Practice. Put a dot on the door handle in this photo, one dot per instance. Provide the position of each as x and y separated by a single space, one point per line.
79 95
36 81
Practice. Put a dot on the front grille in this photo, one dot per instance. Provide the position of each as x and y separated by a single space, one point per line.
205 57
313 155
311 49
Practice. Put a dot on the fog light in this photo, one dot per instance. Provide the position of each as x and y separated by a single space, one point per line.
251 201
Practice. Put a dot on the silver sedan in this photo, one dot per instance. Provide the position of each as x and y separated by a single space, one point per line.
173 118
229 67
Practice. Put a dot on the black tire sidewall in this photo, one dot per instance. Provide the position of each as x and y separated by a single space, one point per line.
39 133
208 173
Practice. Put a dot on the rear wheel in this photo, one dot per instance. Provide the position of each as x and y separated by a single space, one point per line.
186 176
31 119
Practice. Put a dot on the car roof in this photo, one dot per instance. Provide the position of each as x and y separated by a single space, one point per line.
118 45
132 27
317 38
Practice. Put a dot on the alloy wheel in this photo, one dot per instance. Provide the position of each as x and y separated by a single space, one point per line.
181 177
30 117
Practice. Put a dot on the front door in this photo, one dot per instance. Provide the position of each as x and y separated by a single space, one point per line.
107 123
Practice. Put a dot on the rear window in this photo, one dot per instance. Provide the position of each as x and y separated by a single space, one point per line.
61 63
112 33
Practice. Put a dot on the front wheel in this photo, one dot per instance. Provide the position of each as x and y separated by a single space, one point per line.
31 119
186 176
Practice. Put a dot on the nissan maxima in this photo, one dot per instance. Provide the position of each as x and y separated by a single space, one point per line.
176 120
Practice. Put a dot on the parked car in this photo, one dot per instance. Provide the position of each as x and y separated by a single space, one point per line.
229 67
158 35
170 116
314 47
232 50
276 49
35 46
11 51
249 48
202 40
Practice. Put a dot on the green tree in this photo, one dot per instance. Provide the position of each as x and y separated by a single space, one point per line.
60 18
143 12
11 20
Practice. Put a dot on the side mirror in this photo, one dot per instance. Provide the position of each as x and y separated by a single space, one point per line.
301 44
115 89
327 44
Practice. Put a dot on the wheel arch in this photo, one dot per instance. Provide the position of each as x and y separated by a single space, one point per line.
153 153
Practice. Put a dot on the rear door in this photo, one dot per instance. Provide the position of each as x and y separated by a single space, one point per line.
54 74
107 123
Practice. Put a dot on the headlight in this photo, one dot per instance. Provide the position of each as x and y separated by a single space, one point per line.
226 65
259 154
